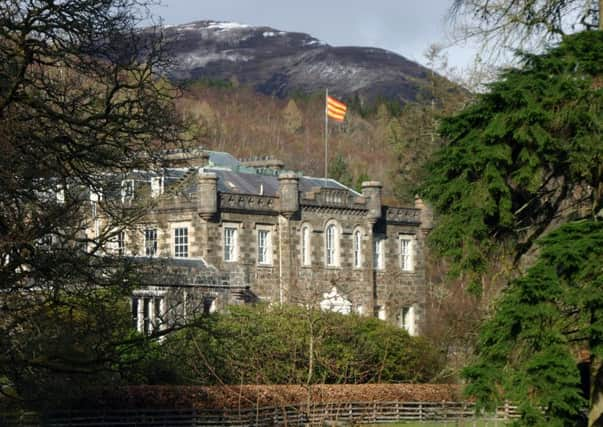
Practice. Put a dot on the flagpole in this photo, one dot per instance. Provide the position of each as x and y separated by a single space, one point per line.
326 134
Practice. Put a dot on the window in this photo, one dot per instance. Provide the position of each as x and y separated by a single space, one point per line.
181 242
121 243
230 244
331 246
156 186
406 256
357 246
127 190
150 242
264 247
148 312
407 319
305 245
379 253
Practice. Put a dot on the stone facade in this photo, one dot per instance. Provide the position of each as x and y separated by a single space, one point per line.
254 232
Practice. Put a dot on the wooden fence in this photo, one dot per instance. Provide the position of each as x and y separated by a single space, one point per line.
293 415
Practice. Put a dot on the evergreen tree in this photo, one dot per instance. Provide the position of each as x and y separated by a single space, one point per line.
523 159
339 171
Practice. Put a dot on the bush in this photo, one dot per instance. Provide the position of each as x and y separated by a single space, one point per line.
293 345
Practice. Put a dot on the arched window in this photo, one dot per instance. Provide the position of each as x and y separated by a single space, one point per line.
305 246
332 245
357 245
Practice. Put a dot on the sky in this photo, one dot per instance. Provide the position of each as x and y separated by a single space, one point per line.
407 27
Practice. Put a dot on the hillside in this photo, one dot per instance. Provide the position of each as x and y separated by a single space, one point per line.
283 63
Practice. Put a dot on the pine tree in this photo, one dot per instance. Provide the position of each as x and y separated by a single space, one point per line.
522 175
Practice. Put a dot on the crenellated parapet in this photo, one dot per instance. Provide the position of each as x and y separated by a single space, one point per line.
331 197
410 216
248 202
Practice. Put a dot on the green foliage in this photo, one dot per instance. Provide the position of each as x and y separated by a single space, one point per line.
273 345
146 361
75 106
363 177
525 159
524 153
339 170
529 347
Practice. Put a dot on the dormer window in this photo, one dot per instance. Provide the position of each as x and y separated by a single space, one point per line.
127 190
156 186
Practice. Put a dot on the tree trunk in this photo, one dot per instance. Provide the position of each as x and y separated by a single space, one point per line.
595 411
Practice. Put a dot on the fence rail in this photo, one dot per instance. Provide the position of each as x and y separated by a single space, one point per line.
314 414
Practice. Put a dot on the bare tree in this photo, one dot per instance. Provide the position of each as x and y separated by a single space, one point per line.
522 24
79 103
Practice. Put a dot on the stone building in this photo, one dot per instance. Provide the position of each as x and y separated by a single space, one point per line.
223 231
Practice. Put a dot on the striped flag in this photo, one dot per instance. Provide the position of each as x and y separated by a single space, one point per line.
336 109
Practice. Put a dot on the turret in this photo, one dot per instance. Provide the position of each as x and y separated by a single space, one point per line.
207 194
288 193
426 214
371 190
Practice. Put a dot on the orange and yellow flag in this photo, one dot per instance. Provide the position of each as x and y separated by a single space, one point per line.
336 109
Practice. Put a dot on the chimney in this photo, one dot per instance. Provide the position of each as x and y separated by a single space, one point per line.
426 215
207 195
371 190
288 193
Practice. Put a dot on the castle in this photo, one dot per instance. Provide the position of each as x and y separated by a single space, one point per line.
223 231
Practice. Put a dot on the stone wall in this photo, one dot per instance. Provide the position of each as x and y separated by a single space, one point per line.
387 292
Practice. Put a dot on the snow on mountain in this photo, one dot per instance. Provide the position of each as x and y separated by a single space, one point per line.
279 62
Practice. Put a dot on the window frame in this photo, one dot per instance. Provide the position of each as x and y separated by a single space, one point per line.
306 245
121 243
181 244
357 258
233 253
128 188
407 319
406 253
267 246
332 257
146 233
379 252
157 186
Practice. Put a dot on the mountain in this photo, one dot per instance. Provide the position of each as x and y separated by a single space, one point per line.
282 63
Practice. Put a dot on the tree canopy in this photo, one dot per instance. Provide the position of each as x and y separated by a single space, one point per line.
523 24
522 175
79 100
523 157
